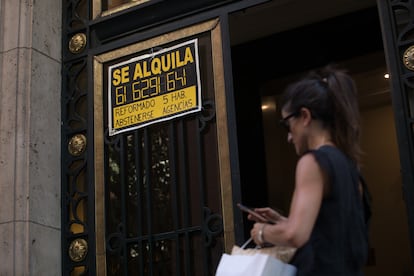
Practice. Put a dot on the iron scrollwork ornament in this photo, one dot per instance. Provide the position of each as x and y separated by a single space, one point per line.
77 43
408 58
212 226
78 250
77 144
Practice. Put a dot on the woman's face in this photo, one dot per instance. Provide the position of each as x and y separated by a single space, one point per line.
295 131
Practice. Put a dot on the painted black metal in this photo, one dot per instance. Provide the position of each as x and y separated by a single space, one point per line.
150 13
396 17
76 171
232 132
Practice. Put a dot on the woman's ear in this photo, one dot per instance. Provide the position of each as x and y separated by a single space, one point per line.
306 115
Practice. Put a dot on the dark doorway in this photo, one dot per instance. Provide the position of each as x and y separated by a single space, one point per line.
280 58
262 67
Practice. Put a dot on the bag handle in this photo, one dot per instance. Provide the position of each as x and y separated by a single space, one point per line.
249 241
246 243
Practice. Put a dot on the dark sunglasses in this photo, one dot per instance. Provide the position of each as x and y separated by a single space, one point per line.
284 122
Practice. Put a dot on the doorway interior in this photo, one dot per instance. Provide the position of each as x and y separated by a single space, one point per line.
267 54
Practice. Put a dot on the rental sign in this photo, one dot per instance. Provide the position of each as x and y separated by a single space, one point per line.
154 87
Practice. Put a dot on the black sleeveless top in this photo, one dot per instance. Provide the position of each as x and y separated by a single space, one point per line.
339 241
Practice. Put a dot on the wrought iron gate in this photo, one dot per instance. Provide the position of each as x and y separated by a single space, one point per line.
159 187
149 201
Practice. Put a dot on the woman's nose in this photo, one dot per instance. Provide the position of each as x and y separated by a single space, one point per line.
289 137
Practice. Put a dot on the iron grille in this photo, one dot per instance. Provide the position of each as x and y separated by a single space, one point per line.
158 219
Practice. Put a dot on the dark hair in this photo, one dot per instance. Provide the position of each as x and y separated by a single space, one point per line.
331 96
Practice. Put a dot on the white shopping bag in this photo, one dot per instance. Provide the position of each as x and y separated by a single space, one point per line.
253 265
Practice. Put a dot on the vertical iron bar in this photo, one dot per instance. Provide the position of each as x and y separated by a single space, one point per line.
202 200
174 192
139 184
147 181
123 181
183 165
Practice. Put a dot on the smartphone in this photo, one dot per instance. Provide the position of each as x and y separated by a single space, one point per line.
259 217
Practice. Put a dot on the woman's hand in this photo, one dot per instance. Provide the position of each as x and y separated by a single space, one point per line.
268 213
257 233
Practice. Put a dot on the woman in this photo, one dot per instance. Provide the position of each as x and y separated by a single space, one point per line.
329 210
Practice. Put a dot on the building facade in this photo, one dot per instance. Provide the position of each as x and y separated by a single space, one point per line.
30 85
130 129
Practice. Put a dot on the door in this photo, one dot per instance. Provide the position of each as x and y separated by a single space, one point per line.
396 23
161 185
146 183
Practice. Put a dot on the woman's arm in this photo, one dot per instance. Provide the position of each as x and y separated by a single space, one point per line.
296 229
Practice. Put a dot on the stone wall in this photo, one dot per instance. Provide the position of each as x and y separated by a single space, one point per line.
30 84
